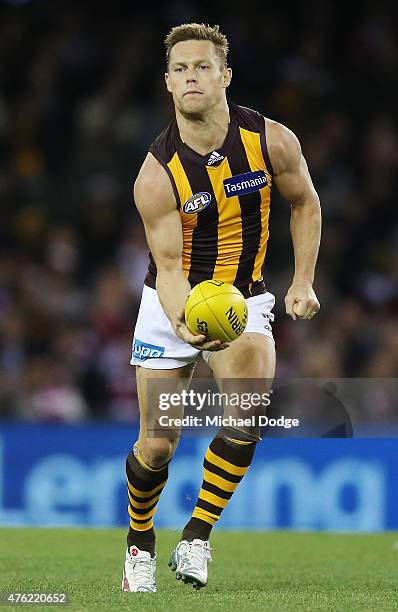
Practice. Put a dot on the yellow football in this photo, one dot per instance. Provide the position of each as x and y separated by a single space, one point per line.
216 309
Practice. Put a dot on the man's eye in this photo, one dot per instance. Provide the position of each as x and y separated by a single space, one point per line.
178 69
203 66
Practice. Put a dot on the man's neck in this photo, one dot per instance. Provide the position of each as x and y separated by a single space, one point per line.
204 133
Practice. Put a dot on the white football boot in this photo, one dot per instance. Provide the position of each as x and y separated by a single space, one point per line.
189 562
139 571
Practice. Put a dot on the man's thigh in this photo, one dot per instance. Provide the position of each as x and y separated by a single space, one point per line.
250 356
151 384
245 370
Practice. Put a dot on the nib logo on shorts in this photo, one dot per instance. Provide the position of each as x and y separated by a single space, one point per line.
144 350
214 159
245 183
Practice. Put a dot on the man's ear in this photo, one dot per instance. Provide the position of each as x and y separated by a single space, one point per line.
166 78
227 77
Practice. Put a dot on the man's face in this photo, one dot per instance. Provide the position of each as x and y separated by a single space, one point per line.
196 78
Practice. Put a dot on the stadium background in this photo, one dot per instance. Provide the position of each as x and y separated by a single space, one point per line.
81 99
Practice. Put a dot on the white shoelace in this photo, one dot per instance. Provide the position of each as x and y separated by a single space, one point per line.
143 571
195 554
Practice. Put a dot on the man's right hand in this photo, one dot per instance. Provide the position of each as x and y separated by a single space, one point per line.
201 343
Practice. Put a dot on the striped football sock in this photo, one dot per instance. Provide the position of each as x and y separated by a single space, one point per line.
144 486
226 462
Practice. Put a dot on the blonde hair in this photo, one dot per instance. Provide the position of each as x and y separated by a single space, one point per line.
198 31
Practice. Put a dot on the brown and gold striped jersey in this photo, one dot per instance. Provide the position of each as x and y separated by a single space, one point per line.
223 199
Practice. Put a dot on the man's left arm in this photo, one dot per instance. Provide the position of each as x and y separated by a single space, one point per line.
294 183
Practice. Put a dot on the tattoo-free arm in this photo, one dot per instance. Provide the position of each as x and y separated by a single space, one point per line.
292 178
155 201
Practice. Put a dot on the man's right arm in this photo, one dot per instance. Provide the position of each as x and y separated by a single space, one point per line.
155 201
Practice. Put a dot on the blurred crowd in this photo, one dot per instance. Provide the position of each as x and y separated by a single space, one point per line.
81 99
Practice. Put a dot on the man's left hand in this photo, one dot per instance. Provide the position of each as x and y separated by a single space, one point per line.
301 301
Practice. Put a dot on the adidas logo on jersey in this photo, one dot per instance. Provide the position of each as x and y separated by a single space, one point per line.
214 159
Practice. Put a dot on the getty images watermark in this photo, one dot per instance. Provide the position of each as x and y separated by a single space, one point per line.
216 400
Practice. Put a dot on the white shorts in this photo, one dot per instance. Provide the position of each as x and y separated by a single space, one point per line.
157 347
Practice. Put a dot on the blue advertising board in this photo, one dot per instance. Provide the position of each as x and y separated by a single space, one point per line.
75 475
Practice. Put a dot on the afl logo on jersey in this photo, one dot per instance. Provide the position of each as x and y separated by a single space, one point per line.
197 203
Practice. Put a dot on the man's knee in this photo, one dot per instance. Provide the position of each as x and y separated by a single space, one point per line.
156 452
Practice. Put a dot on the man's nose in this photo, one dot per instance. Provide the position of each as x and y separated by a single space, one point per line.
190 76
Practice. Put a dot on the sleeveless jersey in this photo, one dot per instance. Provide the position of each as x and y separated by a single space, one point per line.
224 200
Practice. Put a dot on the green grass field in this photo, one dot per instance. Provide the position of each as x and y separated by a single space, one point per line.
250 571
